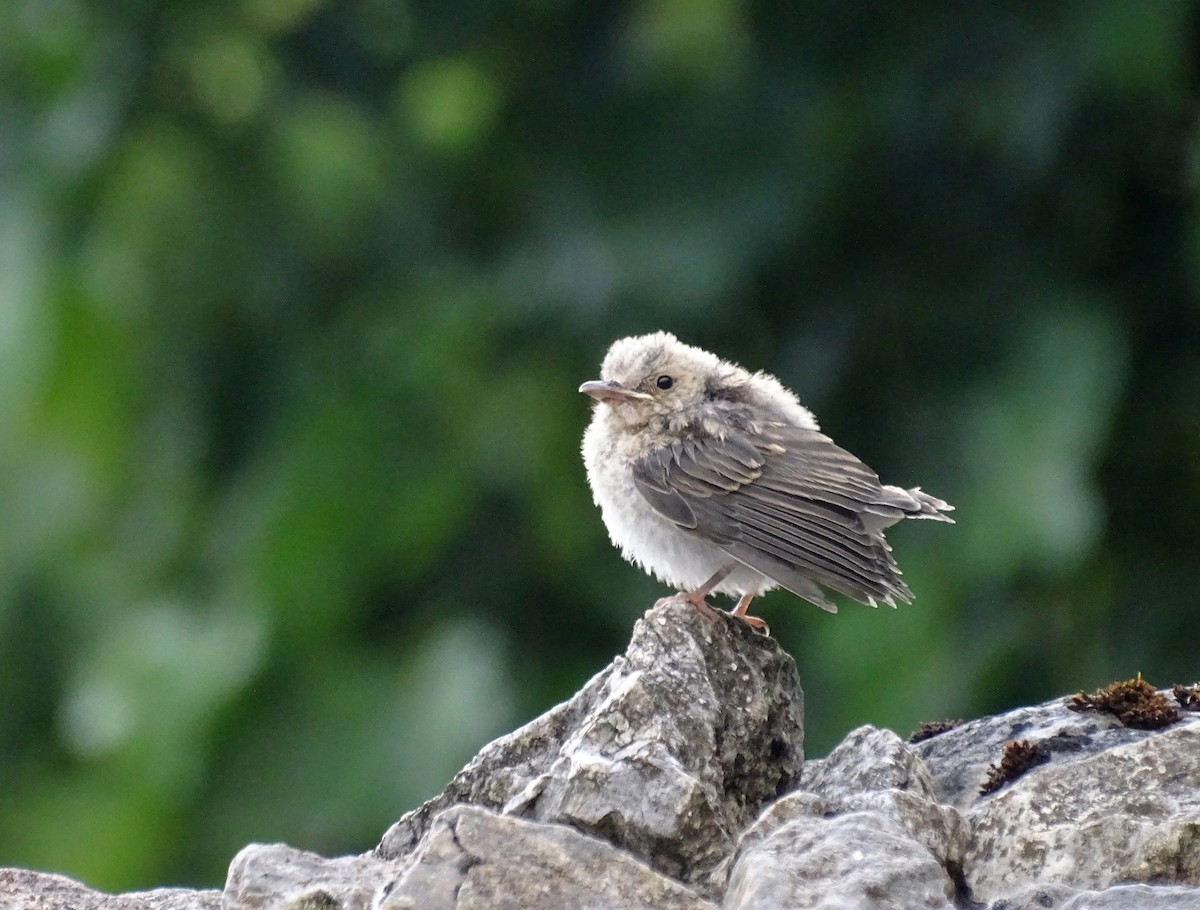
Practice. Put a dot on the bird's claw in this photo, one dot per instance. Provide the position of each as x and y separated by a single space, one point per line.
684 597
754 623
708 611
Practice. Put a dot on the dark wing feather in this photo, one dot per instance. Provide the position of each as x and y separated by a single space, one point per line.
789 503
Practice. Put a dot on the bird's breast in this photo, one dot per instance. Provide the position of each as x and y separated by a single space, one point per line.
645 537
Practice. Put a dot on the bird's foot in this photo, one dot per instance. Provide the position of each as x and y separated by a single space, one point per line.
753 621
695 598
699 597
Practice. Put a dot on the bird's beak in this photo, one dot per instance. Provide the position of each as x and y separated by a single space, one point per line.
605 390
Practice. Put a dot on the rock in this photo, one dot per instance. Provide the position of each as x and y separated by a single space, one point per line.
1114 805
862 832
1135 897
276 876
649 773
176 899
474 859
852 860
21 889
1128 814
668 753
471 859
958 760
1119 897
672 781
868 760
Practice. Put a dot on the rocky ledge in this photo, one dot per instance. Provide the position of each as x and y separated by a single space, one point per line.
675 780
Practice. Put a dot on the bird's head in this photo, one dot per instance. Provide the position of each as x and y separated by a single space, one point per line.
658 379
657 376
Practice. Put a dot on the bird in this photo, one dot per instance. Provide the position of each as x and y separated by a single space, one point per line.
716 480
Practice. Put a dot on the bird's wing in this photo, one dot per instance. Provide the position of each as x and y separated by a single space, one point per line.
788 502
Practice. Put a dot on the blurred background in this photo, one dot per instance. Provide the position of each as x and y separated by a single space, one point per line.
295 297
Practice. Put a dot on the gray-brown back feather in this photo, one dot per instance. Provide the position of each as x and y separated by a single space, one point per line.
789 503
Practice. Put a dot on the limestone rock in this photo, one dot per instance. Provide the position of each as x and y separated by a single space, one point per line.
1118 897
868 760
473 859
1113 806
862 832
279 877
21 889
958 760
668 753
859 860
632 794
672 781
1128 814
1135 897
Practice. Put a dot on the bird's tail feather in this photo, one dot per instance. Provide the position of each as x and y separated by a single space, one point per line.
895 503
929 506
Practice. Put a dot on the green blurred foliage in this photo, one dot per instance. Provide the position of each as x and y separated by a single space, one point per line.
295 296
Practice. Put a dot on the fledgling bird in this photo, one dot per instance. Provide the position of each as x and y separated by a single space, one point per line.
717 480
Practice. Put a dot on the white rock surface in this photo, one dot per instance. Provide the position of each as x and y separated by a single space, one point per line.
1128 814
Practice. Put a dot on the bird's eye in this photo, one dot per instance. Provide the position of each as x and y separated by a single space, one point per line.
664 382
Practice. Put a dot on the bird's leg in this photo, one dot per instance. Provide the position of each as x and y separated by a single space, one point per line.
740 612
698 597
